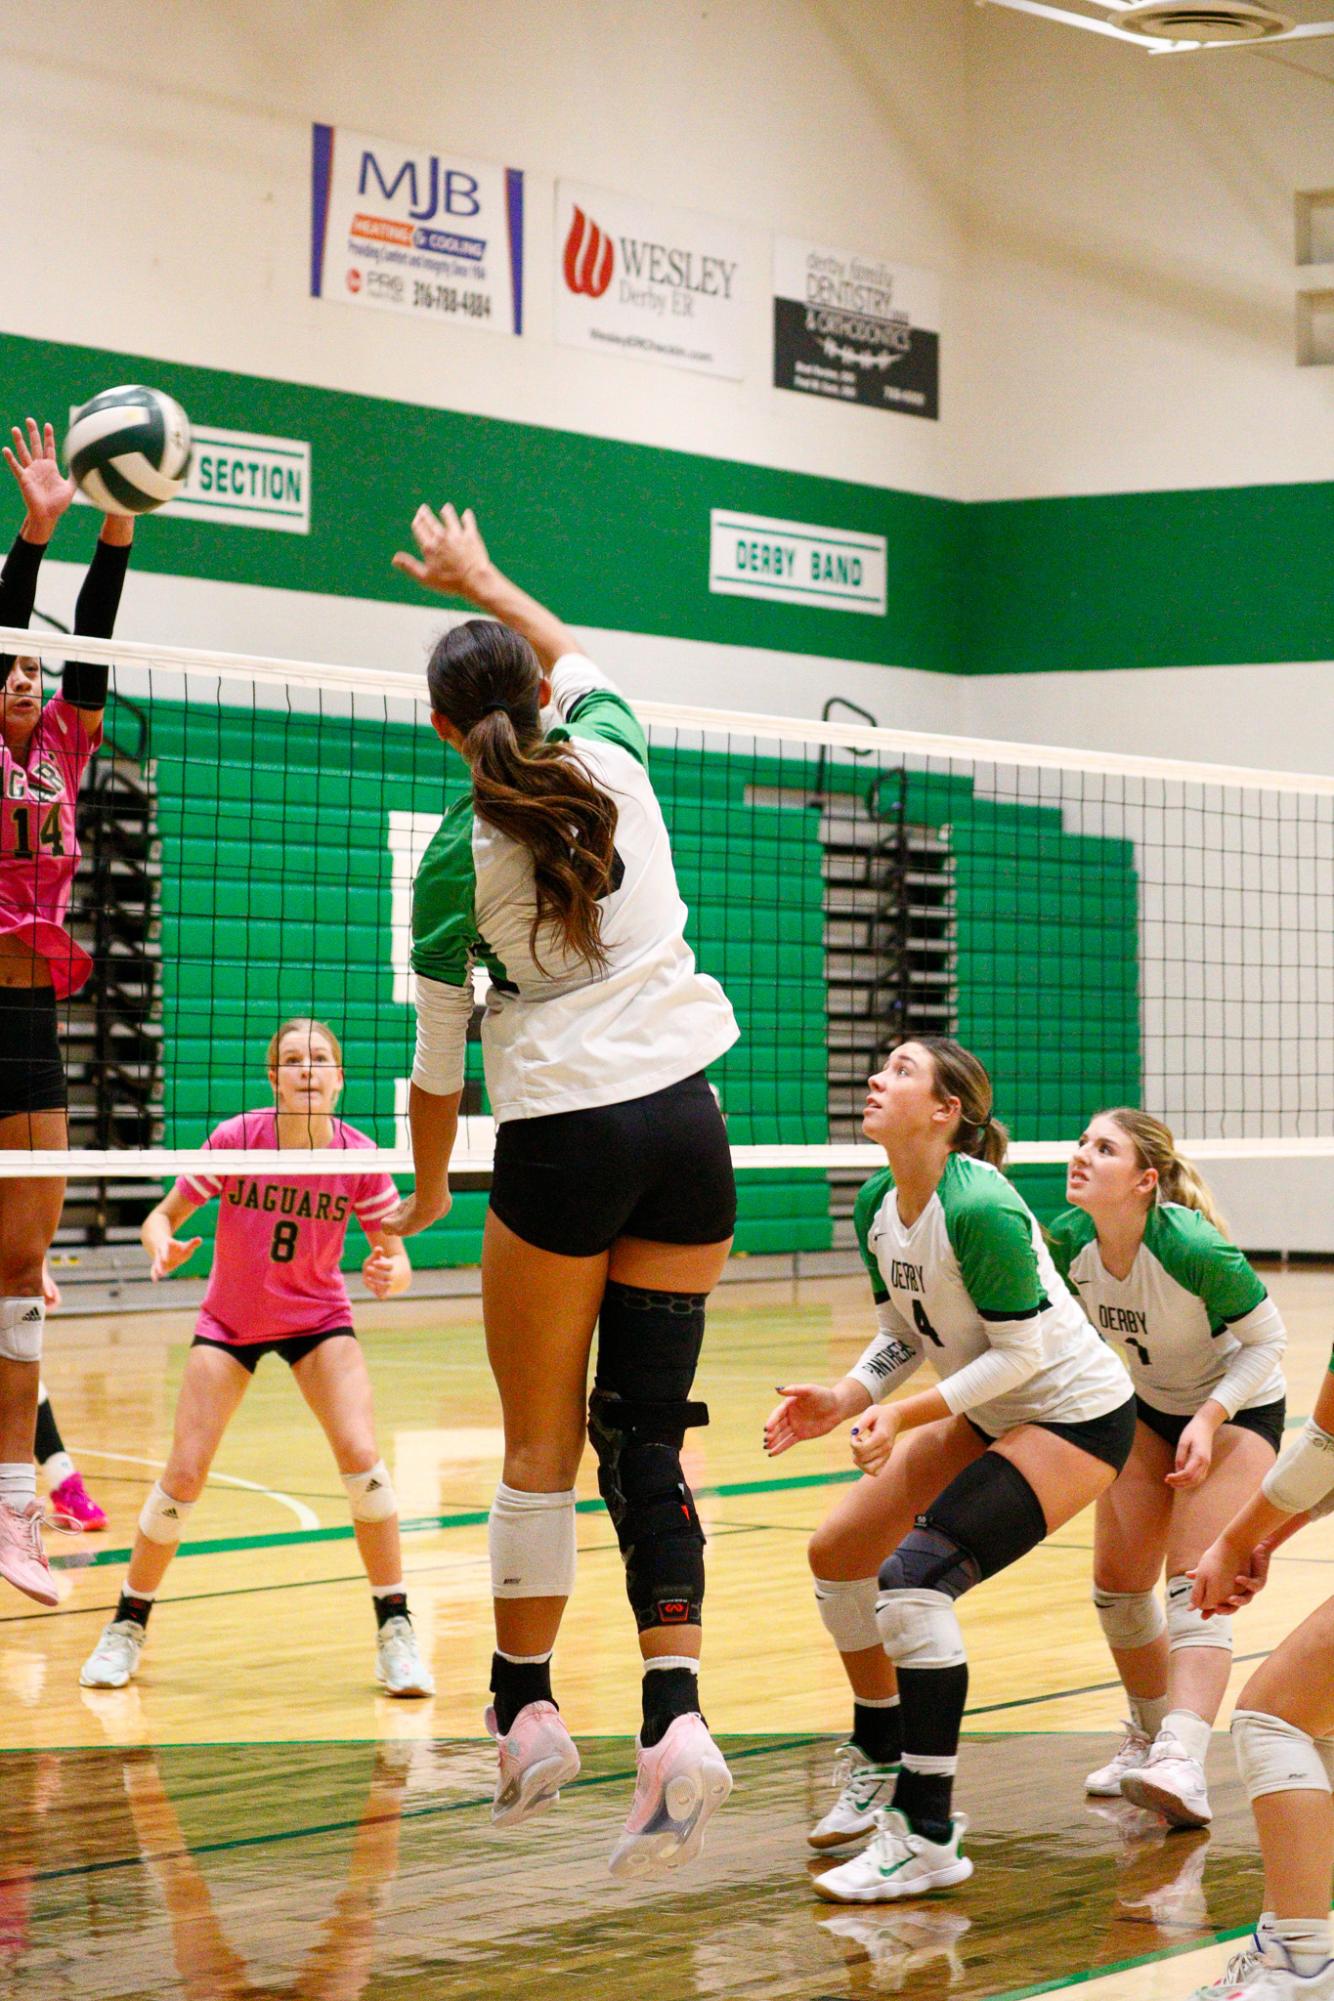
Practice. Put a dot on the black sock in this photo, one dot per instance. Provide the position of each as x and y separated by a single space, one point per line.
878 1732
925 1798
668 1693
390 1605
132 1608
517 1683
48 1441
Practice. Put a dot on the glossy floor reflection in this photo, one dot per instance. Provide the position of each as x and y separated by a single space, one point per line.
325 1872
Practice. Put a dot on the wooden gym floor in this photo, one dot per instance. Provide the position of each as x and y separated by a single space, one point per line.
252 1819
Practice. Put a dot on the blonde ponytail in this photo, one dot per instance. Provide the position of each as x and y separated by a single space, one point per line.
1179 1180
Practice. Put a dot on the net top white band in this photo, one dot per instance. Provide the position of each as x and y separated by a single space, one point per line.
926 744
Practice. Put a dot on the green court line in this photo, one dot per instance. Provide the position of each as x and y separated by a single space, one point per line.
1063 1980
425 1524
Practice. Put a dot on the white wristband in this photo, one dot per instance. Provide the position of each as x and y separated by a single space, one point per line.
1304 1475
443 1014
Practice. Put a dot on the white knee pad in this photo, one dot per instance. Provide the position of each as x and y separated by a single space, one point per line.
161 1519
1277 1757
1186 1628
848 1611
919 1629
22 1322
531 1538
1129 1618
370 1495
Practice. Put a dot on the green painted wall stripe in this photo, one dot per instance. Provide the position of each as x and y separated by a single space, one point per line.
617 535
1230 575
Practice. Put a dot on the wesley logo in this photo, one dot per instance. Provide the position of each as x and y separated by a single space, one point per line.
656 284
588 257
796 562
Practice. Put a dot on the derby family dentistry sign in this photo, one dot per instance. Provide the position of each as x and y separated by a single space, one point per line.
657 284
795 562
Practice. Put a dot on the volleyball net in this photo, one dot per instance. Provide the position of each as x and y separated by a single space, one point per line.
1099 929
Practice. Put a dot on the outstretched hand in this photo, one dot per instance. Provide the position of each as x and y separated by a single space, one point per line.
453 556
172 1254
807 1411
46 490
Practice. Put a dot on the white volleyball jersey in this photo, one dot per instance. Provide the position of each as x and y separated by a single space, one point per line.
557 1035
1194 1320
971 1285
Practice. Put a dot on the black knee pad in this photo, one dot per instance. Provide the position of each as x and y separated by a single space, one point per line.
929 1559
638 1415
989 1513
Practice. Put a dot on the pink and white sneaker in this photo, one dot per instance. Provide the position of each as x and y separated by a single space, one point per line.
74 1507
22 1559
682 1781
537 1757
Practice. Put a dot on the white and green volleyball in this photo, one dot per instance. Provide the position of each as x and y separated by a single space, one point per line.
129 449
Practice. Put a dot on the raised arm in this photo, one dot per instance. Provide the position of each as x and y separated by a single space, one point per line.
83 682
454 561
46 494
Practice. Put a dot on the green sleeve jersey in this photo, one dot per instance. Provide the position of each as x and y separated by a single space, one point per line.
1067 1235
991 1230
869 1199
1203 1261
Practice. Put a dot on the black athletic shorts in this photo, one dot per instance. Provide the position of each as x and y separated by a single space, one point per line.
657 1167
1108 1438
293 1348
32 1076
1266 1420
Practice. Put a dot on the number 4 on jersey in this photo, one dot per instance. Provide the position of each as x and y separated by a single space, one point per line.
923 1325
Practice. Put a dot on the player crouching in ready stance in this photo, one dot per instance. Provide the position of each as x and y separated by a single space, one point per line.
276 1286
1032 1420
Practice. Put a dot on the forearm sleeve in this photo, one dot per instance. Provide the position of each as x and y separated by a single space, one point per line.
443 1014
1014 1356
18 581
84 682
891 1357
1263 1338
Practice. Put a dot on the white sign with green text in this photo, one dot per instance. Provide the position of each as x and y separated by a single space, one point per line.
795 562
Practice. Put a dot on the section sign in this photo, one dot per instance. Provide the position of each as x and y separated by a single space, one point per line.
654 283
796 562
242 479
409 230
856 329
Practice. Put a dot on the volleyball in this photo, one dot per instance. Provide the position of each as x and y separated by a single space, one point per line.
129 449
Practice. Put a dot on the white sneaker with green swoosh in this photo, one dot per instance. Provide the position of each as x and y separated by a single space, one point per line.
898 1863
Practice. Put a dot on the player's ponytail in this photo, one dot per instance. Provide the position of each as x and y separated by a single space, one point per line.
484 678
959 1074
1179 1180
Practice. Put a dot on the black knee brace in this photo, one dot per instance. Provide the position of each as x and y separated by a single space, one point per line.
985 1520
638 1416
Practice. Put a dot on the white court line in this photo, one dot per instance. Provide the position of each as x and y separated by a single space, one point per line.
306 1516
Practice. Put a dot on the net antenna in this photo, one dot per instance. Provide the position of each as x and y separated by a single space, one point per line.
1178 27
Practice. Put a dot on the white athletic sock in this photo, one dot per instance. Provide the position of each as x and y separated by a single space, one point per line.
524 1660
386 1590
1304 1940
58 1467
878 1701
18 1483
671 1661
1147 1713
1191 1732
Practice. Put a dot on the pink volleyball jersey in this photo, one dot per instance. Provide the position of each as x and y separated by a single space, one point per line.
39 848
280 1238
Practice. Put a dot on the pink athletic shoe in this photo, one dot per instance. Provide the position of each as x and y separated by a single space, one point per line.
537 1757
682 1781
22 1558
74 1507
